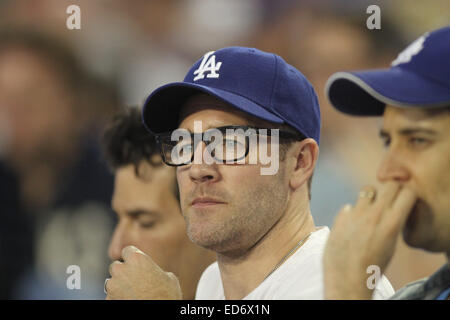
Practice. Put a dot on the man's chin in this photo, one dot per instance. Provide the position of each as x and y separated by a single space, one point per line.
213 235
418 229
203 232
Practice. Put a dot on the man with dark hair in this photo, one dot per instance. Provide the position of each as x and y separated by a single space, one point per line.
146 201
413 96
243 131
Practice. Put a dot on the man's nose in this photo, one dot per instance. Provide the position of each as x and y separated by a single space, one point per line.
119 241
393 168
203 168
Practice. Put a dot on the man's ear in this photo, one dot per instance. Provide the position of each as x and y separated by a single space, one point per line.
305 156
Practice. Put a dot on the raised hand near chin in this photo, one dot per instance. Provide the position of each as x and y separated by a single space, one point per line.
138 277
364 235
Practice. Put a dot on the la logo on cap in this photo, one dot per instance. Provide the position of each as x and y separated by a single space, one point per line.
208 64
410 51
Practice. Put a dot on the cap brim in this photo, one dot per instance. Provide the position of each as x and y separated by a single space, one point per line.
368 92
161 109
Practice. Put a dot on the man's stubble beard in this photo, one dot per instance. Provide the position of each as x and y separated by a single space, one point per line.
419 231
246 218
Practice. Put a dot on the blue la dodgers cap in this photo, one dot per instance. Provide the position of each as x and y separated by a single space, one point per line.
259 83
418 77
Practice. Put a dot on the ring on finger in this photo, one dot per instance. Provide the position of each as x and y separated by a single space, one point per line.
370 194
104 286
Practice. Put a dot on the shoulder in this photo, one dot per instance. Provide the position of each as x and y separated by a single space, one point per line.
301 277
426 288
210 284
413 290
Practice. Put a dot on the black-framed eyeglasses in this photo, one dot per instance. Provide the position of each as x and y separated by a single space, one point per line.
227 144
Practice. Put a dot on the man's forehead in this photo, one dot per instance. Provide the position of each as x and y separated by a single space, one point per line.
145 176
132 190
401 117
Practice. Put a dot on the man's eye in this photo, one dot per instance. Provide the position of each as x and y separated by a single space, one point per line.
146 224
386 142
184 147
418 142
187 148
230 143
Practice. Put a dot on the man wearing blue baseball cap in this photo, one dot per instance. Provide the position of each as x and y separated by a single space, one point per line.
243 130
413 96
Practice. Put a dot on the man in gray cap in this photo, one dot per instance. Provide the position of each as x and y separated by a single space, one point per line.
413 96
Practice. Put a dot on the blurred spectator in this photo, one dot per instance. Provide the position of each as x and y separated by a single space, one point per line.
15 235
319 42
146 200
53 114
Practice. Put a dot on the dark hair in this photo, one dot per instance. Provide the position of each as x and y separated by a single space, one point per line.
126 141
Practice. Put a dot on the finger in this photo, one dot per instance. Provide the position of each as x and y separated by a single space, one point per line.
113 267
400 210
345 210
342 214
129 251
387 194
366 197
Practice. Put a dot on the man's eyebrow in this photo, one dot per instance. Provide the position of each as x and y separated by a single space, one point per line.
138 212
408 131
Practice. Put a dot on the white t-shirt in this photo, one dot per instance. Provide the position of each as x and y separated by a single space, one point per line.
299 277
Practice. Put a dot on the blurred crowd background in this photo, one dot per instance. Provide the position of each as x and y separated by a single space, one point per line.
59 87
